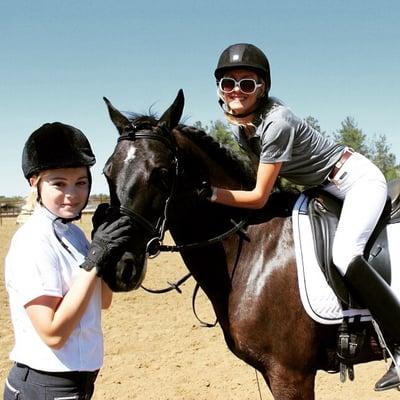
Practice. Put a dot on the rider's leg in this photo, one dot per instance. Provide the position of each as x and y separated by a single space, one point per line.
374 293
364 192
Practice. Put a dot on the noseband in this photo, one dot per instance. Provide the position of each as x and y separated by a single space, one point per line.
156 231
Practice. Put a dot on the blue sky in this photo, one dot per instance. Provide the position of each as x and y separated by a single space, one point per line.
329 59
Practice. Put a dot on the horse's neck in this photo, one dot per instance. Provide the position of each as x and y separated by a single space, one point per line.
200 161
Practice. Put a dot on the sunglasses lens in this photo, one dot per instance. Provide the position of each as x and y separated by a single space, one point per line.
247 85
227 84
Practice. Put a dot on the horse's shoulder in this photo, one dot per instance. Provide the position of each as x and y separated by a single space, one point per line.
279 205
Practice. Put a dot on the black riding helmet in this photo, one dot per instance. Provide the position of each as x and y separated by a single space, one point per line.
247 56
56 145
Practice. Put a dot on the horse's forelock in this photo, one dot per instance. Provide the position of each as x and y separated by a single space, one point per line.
143 121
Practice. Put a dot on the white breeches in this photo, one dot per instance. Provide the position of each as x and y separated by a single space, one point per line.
362 187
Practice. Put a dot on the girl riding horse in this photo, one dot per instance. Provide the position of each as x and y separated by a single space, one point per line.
286 146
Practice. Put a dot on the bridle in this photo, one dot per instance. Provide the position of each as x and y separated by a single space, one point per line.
157 232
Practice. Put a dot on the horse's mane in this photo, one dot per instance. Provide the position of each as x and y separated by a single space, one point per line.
228 160
239 167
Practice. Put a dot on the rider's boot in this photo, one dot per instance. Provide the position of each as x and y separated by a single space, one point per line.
372 291
391 379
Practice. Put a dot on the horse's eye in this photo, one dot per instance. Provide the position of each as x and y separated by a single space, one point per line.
160 177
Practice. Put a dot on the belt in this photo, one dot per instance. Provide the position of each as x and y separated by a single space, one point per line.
348 152
78 377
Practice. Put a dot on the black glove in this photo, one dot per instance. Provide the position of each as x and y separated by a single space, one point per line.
99 216
204 192
104 212
108 244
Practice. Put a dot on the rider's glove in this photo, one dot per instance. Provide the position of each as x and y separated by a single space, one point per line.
108 245
204 192
100 215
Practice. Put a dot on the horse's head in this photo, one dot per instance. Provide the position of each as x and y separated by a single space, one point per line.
141 174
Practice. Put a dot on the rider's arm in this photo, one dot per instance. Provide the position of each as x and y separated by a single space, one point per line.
255 198
106 295
54 318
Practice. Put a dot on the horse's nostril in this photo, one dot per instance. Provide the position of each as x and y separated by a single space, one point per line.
128 271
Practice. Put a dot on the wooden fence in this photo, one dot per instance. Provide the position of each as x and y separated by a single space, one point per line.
12 208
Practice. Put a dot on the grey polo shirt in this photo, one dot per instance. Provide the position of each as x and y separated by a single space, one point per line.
307 157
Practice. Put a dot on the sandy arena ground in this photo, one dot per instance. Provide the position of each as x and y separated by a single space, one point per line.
155 349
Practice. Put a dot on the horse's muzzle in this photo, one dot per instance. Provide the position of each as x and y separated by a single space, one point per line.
127 275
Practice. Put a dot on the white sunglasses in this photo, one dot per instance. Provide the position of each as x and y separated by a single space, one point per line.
246 85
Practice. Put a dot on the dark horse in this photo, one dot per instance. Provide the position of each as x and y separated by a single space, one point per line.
249 276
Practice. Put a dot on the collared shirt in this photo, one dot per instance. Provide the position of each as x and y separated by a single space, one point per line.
43 258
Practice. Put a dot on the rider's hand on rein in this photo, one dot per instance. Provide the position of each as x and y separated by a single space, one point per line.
205 191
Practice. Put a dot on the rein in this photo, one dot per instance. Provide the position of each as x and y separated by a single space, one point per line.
237 228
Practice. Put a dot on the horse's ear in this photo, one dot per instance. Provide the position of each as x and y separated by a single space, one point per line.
118 119
172 116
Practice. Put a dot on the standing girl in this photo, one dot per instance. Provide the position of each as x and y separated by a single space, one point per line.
52 273
286 146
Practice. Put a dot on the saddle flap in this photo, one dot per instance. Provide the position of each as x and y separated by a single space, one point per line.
324 212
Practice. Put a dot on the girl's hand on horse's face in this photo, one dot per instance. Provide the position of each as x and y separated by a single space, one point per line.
64 191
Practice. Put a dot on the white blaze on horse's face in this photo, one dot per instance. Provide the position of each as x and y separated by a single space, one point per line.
130 155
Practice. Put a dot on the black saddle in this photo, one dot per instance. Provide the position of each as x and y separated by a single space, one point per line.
324 211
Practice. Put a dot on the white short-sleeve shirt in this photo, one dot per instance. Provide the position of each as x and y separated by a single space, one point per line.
40 264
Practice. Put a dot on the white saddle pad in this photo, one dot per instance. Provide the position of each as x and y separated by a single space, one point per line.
318 298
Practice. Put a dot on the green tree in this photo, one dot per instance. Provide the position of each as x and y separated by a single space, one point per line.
199 125
350 135
314 123
223 135
384 158
378 151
